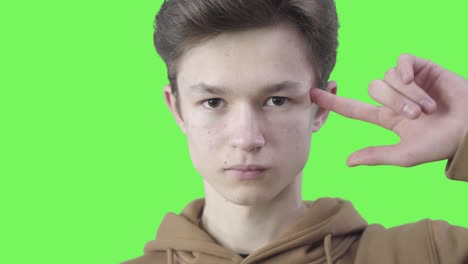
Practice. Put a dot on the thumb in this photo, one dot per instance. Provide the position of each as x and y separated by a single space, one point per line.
381 155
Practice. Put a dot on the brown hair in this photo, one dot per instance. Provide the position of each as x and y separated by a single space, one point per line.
181 24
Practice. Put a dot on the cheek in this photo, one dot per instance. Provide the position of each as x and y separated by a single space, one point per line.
203 138
201 145
294 137
296 127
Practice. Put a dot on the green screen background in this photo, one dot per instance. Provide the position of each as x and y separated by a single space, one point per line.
91 158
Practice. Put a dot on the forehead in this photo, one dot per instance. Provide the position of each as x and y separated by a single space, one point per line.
248 59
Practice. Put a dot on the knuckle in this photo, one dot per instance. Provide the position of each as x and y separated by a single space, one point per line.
404 57
403 162
375 84
390 73
408 160
399 106
431 64
374 87
409 164
379 116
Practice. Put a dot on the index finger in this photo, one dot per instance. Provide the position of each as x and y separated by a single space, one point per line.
347 107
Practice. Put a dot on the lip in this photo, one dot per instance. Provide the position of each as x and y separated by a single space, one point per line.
246 172
243 167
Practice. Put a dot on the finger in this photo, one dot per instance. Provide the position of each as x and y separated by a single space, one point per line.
383 93
412 91
346 107
408 65
381 155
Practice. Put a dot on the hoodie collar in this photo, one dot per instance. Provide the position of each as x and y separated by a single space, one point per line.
311 234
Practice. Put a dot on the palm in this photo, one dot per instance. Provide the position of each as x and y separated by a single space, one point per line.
429 136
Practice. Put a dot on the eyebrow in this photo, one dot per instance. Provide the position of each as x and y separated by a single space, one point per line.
268 89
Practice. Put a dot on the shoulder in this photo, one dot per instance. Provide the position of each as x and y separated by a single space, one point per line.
424 241
149 258
409 243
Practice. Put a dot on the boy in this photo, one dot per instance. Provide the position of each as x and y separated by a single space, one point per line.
248 86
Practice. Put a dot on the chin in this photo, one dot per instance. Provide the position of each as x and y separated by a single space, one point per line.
248 197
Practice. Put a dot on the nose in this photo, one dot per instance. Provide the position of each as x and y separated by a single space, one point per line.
247 132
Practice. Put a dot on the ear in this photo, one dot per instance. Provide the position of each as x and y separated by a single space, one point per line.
170 100
322 114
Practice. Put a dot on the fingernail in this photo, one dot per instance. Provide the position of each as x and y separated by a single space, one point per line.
352 163
410 110
426 104
406 78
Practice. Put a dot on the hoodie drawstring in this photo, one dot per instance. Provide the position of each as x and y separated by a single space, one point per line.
327 246
169 254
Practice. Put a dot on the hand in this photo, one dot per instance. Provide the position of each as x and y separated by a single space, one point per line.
425 104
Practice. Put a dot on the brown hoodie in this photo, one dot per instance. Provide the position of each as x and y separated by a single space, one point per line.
331 231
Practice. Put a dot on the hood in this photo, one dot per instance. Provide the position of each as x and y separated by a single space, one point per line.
323 234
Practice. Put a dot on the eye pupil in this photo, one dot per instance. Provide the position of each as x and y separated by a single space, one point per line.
278 100
213 103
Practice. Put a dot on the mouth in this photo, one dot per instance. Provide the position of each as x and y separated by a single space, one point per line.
246 172
243 167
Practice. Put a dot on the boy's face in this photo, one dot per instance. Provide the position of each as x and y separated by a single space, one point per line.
248 121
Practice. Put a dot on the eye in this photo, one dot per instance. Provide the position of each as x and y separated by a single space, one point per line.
277 101
212 103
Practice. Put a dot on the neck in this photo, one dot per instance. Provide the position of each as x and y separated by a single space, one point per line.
245 228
